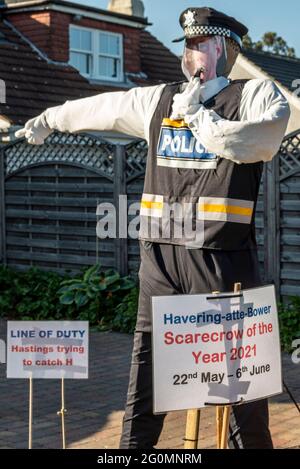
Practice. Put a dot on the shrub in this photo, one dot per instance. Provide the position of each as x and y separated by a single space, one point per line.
30 295
37 295
289 322
104 298
126 312
95 295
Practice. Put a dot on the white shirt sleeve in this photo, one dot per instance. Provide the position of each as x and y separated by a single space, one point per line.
128 112
264 115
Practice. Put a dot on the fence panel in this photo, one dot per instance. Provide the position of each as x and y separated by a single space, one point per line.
289 215
50 198
49 195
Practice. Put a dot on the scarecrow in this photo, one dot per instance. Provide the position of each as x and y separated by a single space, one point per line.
208 139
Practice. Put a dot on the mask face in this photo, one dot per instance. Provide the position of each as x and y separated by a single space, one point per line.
202 53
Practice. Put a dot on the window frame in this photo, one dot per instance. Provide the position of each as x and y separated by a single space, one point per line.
95 53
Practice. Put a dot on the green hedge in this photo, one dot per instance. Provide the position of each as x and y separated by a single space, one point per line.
93 296
103 298
289 322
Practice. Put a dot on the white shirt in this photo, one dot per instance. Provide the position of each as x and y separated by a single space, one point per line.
264 114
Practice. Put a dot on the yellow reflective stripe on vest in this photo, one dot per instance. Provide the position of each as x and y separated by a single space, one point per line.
146 204
171 123
224 209
152 205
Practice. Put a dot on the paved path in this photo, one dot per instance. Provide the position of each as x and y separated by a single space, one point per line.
95 406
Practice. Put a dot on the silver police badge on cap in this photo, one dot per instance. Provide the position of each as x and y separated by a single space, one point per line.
189 18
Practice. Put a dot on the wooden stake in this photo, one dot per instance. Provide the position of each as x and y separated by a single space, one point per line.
219 409
222 416
192 424
219 422
192 429
227 408
225 427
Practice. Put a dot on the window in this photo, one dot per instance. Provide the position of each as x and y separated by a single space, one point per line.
81 53
96 54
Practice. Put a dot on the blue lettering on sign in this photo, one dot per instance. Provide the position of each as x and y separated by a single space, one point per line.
181 143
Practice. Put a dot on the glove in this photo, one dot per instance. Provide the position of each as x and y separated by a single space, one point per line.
36 130
188 101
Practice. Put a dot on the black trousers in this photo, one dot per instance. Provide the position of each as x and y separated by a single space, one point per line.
171 269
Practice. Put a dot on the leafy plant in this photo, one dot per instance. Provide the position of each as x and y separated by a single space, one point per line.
80 291
104 298
95 295
126 312
34 294
289 322
30 294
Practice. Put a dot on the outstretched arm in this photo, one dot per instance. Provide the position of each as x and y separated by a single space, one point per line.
127 112
264 115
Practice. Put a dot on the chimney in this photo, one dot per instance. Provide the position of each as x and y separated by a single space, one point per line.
127 7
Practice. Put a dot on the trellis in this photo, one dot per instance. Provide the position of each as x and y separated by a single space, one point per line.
282 215
49 196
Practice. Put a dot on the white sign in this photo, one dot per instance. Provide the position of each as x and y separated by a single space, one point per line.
47 349
215 349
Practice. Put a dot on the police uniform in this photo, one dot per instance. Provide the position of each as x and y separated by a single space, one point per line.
222 196
204 169
219 249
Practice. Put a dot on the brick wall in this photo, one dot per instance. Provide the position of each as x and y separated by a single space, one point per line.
34 26
49 31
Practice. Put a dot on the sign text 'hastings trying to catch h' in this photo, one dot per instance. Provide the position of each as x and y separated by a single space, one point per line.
47 349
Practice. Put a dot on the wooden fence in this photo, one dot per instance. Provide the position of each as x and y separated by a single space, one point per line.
49 195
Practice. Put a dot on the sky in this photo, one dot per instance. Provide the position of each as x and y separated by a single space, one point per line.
260 16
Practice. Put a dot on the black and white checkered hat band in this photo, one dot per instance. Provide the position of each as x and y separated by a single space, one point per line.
209 30
191 31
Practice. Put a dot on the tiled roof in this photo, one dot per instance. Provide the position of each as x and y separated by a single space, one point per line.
33 84
12 5
282 69
158 62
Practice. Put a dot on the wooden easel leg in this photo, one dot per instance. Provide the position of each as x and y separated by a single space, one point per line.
219 422
192 429
225 427
223 413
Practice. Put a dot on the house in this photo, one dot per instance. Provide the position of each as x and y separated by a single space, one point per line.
278 211
53 50
285 71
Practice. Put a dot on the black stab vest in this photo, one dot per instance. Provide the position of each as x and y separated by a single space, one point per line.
192 197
